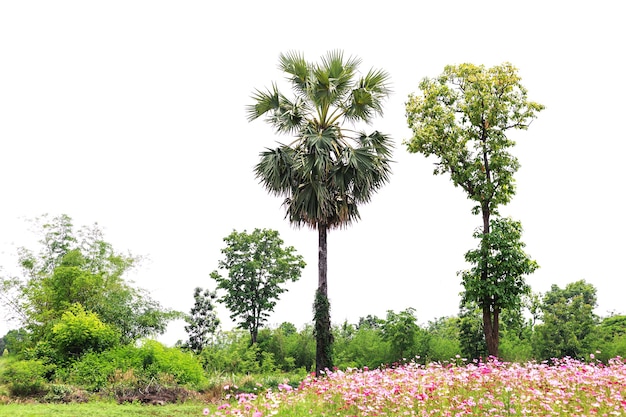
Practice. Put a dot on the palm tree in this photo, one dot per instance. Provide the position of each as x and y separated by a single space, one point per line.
327 171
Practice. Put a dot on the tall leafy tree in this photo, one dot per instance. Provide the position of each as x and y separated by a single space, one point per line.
258 265
202 322
463 118
329 169
507 265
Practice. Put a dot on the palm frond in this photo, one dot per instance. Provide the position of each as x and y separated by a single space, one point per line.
265 101
367 98
274 170
294 64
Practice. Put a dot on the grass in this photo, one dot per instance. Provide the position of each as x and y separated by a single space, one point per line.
100 409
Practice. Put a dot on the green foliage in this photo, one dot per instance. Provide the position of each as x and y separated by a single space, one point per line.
496 282
25 377
443 339
401 331
322 332
258 265
462 117
80 267
275 349
471 333
301 347
364 346
328 170
150 361
60 393
506 264
568 324
232 353
515 349
612 326
79 331
202 321
15 341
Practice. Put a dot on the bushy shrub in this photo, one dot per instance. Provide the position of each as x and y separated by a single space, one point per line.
183 366
92 371
149 362
513 349
441 349
612 348
80 331
24 377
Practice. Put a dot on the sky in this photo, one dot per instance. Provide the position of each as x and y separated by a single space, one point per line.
131 114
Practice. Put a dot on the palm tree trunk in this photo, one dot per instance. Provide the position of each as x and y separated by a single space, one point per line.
321 308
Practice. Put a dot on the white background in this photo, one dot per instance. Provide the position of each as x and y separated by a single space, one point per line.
131 114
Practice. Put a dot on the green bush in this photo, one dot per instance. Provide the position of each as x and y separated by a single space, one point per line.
611 348
24 377
92 371
149 362
441 349
80 331
183 366
513 349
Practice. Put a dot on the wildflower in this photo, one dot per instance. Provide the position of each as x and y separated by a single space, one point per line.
257 413
205 412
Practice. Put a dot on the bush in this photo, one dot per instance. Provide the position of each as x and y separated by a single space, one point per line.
80 331
442 349
151 362
25 377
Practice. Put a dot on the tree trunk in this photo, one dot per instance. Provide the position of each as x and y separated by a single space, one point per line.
490 318
491 328
321 308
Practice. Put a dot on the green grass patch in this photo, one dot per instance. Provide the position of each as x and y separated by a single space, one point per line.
101 409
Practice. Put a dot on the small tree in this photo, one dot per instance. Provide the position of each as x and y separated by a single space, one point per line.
257 266
401 330
202 322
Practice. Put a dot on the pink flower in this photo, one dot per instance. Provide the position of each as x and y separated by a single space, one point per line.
257 413
205 412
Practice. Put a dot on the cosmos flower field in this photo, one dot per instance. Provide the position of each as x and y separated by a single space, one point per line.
565 387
